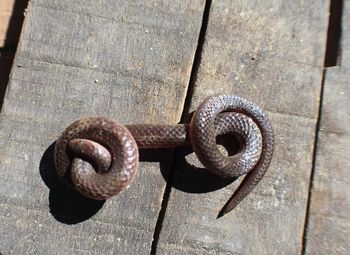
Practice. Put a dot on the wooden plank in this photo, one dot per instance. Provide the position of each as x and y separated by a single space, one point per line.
11 18
127 60
329 227
6 9
7 6
271 53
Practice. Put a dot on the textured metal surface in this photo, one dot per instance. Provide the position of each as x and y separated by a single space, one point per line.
104 154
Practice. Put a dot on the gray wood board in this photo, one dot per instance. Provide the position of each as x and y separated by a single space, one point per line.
127 60
329 226
271 53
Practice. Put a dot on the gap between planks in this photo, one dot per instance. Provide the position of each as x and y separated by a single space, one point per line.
184 117
331 59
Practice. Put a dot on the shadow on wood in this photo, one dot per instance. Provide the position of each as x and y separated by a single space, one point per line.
7 52
70 207
66 205
191 178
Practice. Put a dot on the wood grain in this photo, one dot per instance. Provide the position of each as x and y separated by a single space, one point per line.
131 60
127 60
329 227
271 53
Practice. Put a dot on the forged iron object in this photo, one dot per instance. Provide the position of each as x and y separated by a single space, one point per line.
101 156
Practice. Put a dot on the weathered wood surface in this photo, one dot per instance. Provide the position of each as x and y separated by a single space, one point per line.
272 53
329 226
132 61
126 60
11 18
6 12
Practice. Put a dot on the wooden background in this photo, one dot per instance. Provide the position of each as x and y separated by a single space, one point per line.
154 62
11 18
